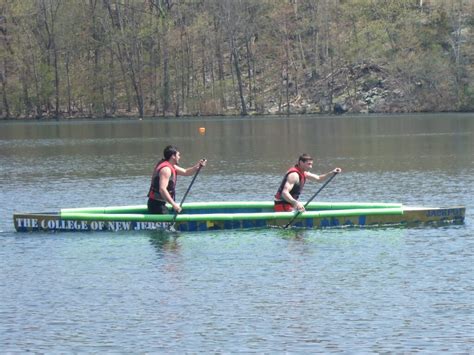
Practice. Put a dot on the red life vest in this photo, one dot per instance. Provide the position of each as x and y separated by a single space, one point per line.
154 192
297 188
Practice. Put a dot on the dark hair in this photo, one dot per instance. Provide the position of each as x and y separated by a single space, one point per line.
305 157
169 151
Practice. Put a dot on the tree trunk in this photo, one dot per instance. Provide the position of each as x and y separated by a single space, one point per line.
220 65
113 97
3 79
56 80
249 70
166 80
68 83
235 55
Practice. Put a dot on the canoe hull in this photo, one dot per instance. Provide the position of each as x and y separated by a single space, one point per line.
208 219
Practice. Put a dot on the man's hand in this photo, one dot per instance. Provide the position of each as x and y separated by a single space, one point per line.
299 206
176 207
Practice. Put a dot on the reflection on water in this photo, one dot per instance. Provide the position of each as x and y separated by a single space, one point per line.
164 241
296 234
360 144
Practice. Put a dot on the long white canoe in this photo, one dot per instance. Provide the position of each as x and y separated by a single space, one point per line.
203 216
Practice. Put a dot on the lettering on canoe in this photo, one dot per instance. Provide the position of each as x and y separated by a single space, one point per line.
73 225
445 212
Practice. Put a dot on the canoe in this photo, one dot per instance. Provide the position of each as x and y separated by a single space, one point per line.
205 216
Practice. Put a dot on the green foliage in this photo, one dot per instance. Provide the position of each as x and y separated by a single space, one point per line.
467 102
46 84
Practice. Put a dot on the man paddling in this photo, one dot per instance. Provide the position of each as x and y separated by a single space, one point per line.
286 198
163 181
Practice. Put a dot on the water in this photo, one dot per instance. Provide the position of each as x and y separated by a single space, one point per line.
347 290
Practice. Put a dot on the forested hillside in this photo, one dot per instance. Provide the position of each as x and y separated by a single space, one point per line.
106 58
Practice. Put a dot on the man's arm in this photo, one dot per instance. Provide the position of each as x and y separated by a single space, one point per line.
322 177
291 180
165 175
191 170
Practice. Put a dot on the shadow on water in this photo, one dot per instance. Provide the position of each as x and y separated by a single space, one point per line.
340 236
291 234
164 241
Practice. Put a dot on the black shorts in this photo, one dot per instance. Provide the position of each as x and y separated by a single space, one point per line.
157 207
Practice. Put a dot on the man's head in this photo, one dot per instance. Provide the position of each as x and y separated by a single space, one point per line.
171 152
305 162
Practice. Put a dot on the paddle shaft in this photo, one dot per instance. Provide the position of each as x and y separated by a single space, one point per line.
187 191
311 199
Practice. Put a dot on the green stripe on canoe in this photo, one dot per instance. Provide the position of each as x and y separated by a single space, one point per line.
142 209
84 216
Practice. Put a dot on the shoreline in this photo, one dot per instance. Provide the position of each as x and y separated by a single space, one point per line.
189 116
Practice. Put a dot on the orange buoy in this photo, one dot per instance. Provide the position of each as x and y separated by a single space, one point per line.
202 130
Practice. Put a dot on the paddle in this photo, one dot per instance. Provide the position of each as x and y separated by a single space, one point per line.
311 199
186 194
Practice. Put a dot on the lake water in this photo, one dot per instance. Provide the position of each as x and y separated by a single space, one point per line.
336 290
